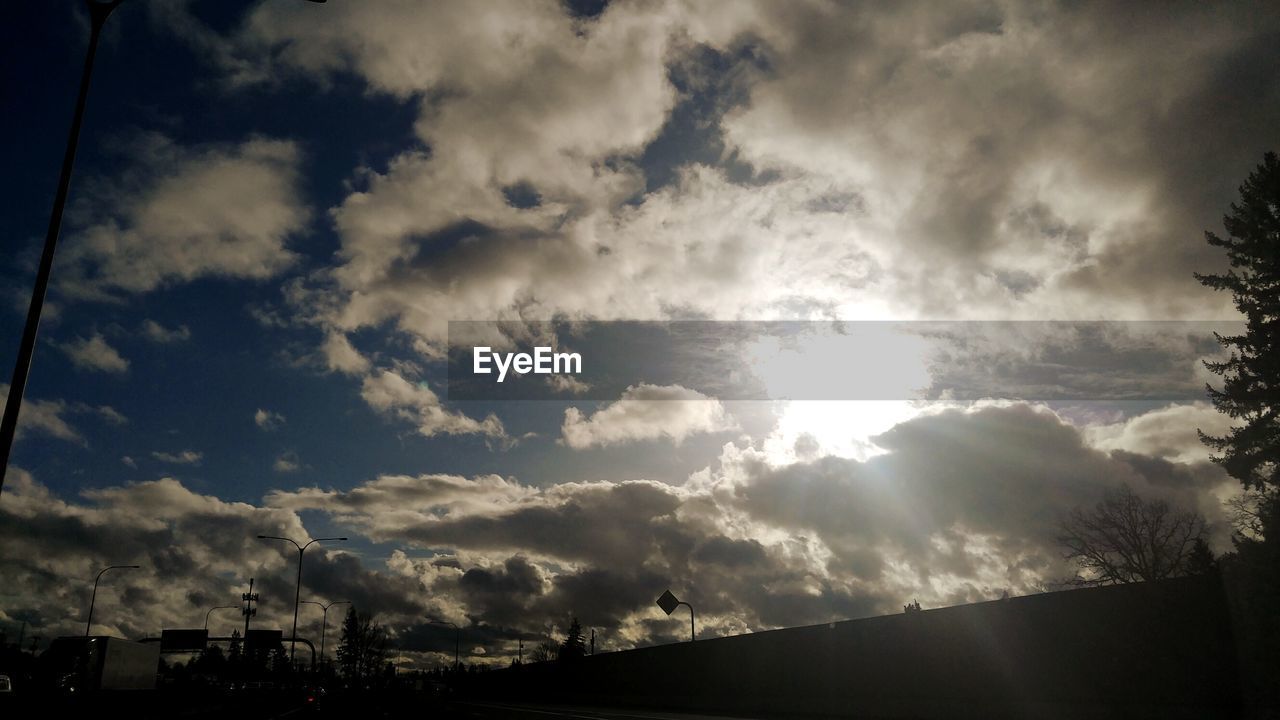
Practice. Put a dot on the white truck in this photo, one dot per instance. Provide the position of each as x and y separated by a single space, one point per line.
85 664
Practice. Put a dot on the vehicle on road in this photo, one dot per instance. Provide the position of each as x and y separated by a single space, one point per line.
75 665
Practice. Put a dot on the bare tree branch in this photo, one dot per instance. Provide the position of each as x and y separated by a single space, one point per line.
1125 539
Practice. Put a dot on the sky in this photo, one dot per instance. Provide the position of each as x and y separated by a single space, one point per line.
279 207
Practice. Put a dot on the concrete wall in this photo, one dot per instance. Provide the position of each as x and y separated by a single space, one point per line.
1159 650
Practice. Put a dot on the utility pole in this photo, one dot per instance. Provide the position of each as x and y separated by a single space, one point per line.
593 641
248 610
520 652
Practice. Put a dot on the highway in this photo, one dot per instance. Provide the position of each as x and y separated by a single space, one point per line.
500 711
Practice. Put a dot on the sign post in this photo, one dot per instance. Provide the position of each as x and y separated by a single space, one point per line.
669 603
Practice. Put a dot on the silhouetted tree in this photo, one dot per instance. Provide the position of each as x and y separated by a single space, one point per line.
1125 539
1250 395
544 651
574 646
234 653
1201 560
1251 375
363 648
279 661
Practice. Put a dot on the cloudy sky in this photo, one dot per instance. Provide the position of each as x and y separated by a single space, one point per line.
279 207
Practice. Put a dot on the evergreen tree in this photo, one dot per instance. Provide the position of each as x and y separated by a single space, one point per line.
234 652
1201 560
363 648
1251 374
1249 452
574 646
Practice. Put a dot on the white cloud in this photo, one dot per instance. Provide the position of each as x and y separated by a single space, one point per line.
43 417
95 354
951 512
646 412
109 414
389 495
1019 161
184 457
157 333
340 356
152 227
287 462
195 551
267 420
390 393
1168 432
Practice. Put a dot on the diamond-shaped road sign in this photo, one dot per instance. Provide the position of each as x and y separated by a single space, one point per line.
668 602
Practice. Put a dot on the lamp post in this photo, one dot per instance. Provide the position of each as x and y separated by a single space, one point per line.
220 607
94 598
457 634
297 593
325 624
99 10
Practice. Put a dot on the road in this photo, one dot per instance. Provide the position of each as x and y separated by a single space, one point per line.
500 711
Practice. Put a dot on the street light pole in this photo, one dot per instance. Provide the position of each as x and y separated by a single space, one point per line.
94 598
324 626
99 10
297 593
457 635
220 607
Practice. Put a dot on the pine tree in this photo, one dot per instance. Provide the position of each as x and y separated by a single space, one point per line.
348 652
234 652
363 647
1250 394
574 646
1251 374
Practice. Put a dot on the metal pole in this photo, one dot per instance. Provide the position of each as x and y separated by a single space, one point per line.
98 13
94 598
457 637
297 593
89 623
324 626
220 607
692 634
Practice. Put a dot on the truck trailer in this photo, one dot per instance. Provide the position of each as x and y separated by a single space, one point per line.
76 665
